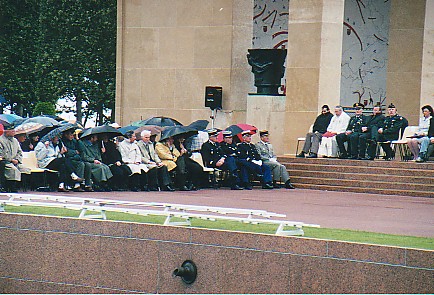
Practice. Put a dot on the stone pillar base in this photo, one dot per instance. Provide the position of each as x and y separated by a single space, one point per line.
268 112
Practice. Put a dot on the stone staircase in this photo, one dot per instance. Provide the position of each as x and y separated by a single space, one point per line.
375 177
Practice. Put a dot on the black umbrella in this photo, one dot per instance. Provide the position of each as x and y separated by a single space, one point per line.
199 125
58 131
158 121
105 129
174 131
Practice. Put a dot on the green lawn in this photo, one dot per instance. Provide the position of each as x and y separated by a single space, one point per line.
320 233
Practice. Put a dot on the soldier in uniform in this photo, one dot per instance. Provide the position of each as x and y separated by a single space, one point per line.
389 130
213 157
370 132
352 134
250 159
265 150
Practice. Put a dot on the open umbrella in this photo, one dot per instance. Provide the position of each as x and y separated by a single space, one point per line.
158 121
125 129
46 121
236 129
154 129
9 119
199 125
174 131
29 128
105 129
58 131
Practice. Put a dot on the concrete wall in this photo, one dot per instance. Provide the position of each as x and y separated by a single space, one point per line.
169 51
64 255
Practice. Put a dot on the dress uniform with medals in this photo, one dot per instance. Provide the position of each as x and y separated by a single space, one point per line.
391 127
352 135
250 159
211 153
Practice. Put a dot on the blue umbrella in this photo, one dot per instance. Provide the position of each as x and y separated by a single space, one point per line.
125 129
9 119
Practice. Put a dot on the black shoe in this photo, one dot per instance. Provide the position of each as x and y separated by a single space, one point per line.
236 188
289 185
267 186
135 189
184 188
248 187
343 156
353 157
300 155
3 190
312 155
367 159
153 189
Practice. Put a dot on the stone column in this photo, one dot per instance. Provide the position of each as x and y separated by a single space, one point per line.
313 71
406 48
427 83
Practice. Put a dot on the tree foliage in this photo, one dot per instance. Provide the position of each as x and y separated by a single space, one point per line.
44 108
73 53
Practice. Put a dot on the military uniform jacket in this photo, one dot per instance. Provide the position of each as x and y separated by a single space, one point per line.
375 121
229 150
356 123
248 151
391 126
265 150
211 153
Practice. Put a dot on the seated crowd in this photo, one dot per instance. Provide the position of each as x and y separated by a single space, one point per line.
100 162
345 137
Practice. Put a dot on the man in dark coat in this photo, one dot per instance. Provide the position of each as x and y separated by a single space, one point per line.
250 159
313 139
352 134
74 148
112 158
91 156
369 136
389 130
214 158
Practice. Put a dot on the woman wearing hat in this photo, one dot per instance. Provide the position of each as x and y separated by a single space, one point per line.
421 134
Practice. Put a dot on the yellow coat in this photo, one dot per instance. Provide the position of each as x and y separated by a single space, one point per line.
166 156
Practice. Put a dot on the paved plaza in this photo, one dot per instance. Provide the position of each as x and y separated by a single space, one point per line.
360 211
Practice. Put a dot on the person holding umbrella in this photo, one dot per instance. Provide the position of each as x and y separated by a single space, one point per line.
132 157
50 155
74 149
171 157
91 156
158 174
112 158
12 155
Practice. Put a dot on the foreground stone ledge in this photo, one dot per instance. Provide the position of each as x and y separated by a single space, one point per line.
50 254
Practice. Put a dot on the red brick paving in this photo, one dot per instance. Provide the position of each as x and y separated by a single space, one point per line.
360 211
